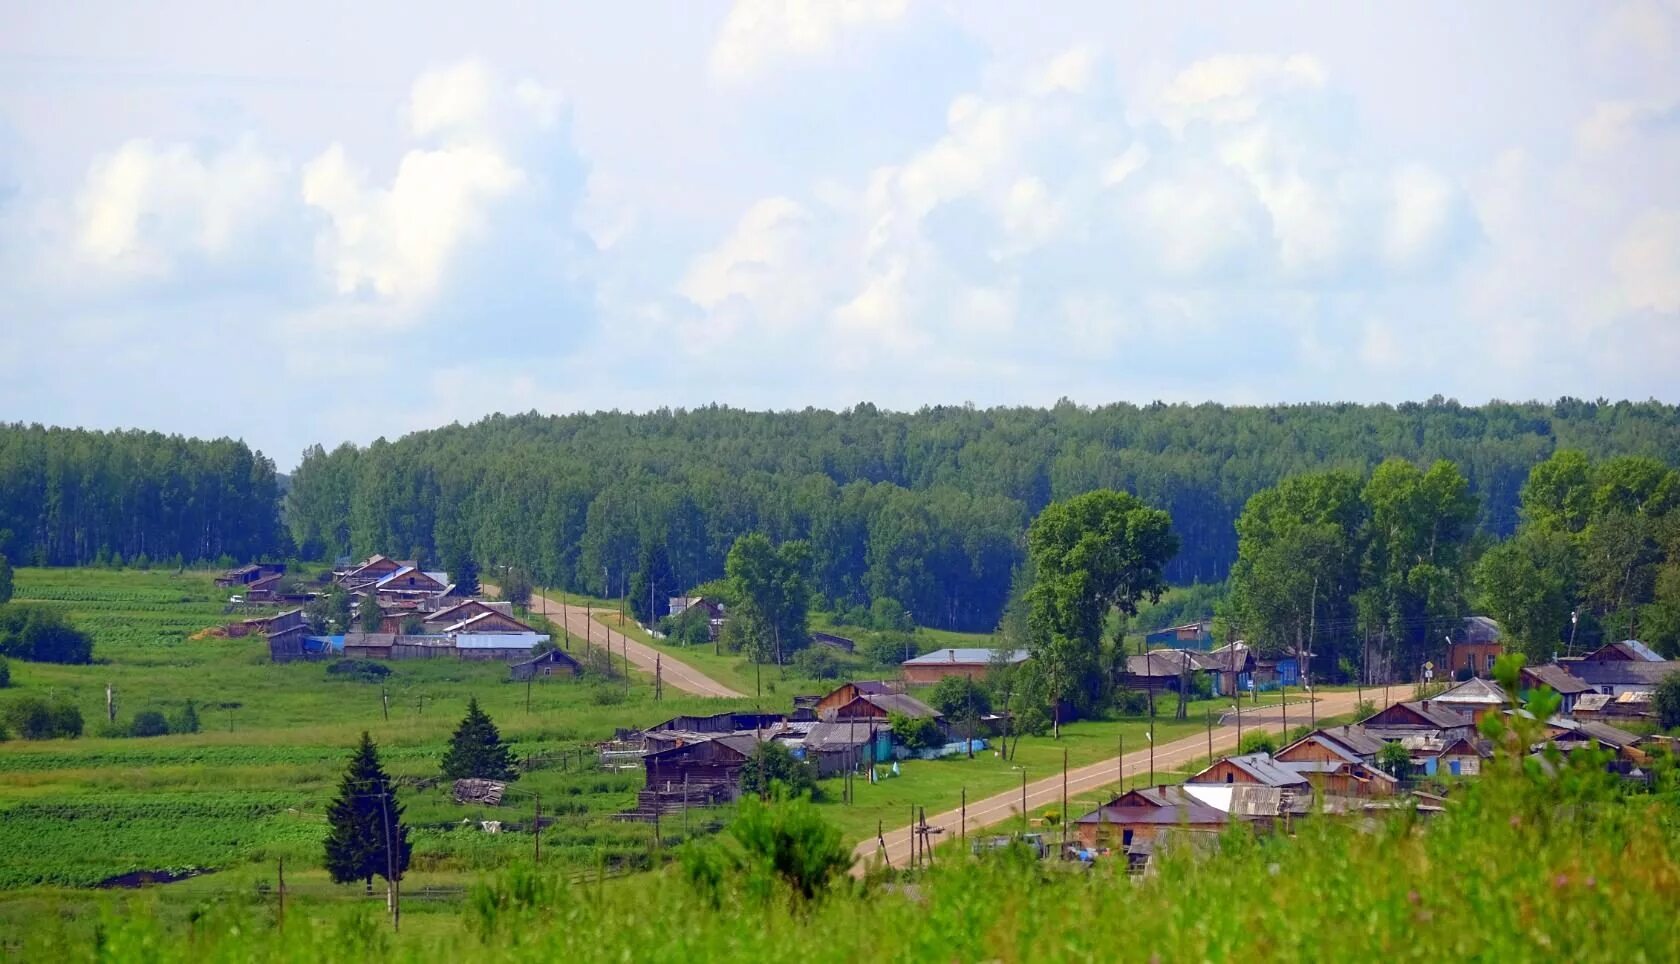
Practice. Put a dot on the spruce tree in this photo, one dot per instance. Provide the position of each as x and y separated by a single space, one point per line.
466 575
366 815
477 750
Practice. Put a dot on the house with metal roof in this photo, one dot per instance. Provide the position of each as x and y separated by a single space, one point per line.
1614 677
1145 814
970 662
1418 718
1255 768
1474 696
1567 686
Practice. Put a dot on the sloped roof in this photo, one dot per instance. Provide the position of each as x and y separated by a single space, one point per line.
1265 770
1481 629
1474 691
1191 813
1641 672
839 736
963 656
1558 678
1351 743
1444 717
468 625
900 703
1239 799
1627 649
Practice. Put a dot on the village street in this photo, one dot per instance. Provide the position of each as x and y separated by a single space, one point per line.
676 674
1004 807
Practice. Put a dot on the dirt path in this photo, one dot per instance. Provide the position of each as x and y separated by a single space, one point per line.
676 674
1043 793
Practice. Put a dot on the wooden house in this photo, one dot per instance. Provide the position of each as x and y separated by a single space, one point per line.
836 748
246 575
880 706
1569 688
1419 718
459 611
712 763
375 568
285 636
1253 768
713 609
411 581
1620 668
264 588
1339 761
1144 815
552 663
1475 697
845 693
734 721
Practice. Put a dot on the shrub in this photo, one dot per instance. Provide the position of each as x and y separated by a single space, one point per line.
187 721
1130 702
42 635
887 613
817 662
916 733
33 718
773 769
1258 742
149 723
889 648
956 696
1394 758
791 842
5 673
364 670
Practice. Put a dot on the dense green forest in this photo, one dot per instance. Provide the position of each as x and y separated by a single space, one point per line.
73 497
927 508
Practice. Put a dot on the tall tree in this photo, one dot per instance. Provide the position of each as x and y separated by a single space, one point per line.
770 581
1528 583
5 580
1417 531
653 584
366 837
465 573
477 750
1091 555
368 614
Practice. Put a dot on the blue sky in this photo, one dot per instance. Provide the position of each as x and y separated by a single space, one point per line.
329 222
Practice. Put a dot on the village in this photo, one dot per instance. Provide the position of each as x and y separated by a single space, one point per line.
1402 746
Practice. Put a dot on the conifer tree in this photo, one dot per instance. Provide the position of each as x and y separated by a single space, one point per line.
477 750
466 575
364 817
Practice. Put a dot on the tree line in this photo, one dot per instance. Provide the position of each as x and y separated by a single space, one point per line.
928 508
72 497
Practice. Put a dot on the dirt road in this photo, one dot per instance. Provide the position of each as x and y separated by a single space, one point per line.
1047 792
675 673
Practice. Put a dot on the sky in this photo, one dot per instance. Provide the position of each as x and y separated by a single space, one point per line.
327 222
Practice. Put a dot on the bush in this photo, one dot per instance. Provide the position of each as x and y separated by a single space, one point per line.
149 723
1130 702
1258 742
889 649
792 842
957 696
817 662
886 613
364 670
916 732
773 771
187 721
33 718
5 673
41 635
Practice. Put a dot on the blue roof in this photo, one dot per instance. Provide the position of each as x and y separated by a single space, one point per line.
320 644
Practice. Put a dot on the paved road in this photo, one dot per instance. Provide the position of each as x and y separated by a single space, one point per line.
1047 792
677 674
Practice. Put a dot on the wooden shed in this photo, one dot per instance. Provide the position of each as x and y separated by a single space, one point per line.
552 663
714 763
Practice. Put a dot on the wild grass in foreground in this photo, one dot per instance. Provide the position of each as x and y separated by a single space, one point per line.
1537 861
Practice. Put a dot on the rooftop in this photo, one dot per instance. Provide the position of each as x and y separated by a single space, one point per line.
964 656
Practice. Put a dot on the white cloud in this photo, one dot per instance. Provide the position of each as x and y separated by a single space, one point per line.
145 206
760 33
1646 263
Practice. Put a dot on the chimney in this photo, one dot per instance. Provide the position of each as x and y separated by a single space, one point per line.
951 655
1426 706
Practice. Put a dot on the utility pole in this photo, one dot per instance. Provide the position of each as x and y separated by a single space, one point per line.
1210 733
536 831
280 890
528 680
1120 762
1064 820
111 704
385 702
1283 703
391 895
1151 736
962 824
658 677
1025 825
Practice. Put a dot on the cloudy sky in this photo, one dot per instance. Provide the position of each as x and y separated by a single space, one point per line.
329 221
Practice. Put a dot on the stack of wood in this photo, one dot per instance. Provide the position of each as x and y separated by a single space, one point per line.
486 792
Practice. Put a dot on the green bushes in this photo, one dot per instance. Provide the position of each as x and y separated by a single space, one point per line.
149 723
916 733
1256 741
41 635
817 662
33 718
773 769
363 670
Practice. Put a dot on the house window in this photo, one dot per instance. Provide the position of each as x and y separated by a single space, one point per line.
1490 664
1230 778
1126 838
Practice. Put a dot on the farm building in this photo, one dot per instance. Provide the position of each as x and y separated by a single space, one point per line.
552 663
972 663
246 575
285 636
720 723
712 764
497 646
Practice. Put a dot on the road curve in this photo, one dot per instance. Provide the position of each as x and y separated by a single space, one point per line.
676 673
1006 806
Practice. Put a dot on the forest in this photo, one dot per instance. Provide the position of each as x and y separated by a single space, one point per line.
71 497
927 508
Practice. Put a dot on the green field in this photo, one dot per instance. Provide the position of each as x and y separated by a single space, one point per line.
250 788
